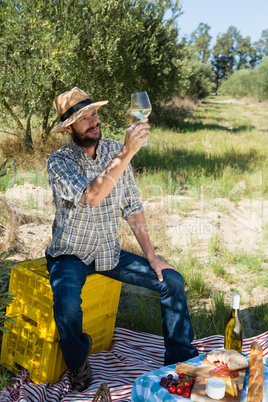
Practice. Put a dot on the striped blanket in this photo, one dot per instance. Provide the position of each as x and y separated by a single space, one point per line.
132 354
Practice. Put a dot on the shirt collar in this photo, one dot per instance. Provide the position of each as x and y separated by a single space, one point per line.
79 151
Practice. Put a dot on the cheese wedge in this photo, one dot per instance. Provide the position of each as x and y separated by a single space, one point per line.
230 385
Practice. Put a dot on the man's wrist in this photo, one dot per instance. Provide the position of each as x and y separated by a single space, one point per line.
125 152
150 256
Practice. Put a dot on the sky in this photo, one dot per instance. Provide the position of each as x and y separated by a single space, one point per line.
250 17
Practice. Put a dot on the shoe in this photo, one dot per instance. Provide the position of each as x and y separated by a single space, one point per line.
81 378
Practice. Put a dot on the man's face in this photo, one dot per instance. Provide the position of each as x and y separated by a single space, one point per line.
86 132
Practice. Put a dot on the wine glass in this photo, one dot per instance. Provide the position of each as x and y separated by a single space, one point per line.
141 107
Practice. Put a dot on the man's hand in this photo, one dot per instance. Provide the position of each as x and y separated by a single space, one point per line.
136 135
158 265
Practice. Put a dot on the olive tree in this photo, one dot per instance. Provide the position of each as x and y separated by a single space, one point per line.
107 48
35 53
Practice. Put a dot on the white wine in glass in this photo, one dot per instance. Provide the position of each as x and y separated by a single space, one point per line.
141 107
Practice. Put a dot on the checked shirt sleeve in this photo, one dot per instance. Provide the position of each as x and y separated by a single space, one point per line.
67 183
130 203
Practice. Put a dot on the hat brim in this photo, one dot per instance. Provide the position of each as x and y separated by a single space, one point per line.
59 128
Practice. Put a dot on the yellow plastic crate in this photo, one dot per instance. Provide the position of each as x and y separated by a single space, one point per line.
33 301
33 342
22 347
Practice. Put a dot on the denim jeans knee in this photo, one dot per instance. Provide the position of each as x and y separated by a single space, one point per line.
67 275
176 323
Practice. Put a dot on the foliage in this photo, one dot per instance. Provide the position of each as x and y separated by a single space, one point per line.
201 39
5 296
262 44
198 82
239 84
101 46
224 54
230 53
109 49
246 83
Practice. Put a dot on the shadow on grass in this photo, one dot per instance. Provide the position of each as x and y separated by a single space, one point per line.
259 317
153 159
140 311
194 126
183 120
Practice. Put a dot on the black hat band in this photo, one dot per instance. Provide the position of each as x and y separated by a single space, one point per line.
75 108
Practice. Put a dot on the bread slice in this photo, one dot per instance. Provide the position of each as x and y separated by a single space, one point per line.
223 356
233 359
236 361
213 356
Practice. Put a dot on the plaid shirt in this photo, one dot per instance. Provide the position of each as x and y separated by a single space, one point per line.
79 229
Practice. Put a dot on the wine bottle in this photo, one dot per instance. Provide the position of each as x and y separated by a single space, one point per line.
233 337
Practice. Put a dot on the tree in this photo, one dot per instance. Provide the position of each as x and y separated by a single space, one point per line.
246 53
107 48
134 48
262 45
224 53
232 52
35 58
198 77
201 39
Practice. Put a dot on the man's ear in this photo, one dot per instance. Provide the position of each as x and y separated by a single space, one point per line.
68 129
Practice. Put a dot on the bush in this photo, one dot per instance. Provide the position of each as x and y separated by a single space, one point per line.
262 80
198 77
239 85
248 83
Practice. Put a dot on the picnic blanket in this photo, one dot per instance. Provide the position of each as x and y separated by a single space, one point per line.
132 354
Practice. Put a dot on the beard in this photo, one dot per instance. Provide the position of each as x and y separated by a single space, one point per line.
85 141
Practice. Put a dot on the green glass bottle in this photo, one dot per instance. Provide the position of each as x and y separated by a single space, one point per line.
233 337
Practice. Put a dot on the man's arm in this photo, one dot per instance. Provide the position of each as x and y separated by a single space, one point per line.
101 186
138 225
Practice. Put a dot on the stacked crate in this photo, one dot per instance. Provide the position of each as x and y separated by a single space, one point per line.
32 342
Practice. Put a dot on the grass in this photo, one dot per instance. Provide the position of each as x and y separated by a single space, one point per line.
5 377
219 151
216 151
141 313
210 319
33 176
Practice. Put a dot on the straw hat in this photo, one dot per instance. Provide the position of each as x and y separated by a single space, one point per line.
71 105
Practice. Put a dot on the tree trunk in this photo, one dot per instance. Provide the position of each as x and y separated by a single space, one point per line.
26 132
14 116
27 138
46 129
45 115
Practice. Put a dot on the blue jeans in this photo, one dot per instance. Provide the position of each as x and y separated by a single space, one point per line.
67 275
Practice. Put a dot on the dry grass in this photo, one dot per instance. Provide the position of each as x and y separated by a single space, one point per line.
8 225
12 148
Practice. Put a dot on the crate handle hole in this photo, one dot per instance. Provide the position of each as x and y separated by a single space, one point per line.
29 320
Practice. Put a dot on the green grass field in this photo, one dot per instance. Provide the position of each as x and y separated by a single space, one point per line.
219 146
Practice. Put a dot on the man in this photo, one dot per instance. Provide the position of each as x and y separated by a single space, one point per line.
93 184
